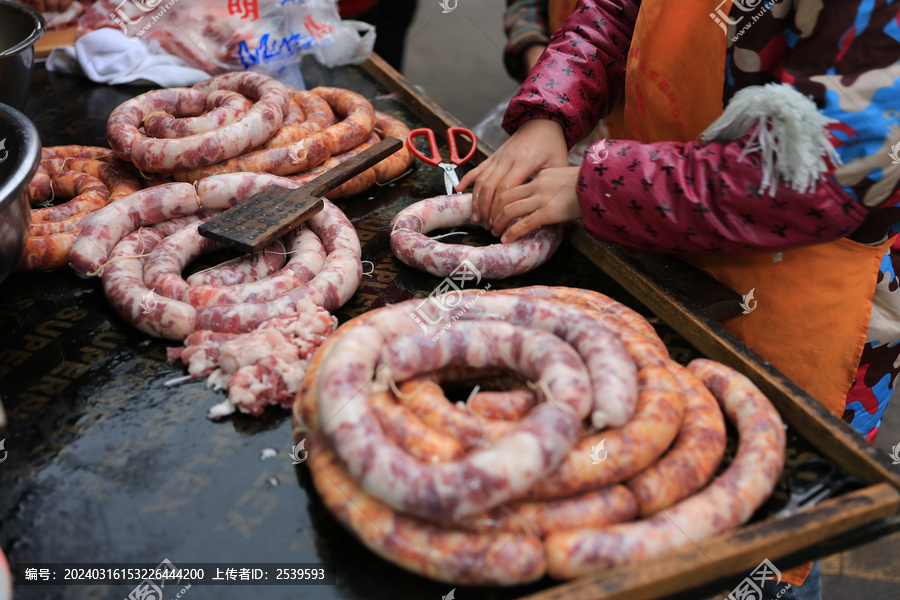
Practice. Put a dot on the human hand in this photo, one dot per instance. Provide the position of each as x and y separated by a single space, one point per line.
537 145
549 198
48 5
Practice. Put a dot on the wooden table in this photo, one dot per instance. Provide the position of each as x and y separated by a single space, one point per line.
108 464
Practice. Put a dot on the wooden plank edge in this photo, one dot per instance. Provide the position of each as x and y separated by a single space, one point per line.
801 411
735 552
436 117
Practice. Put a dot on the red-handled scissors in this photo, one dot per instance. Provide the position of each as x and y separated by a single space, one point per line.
435 160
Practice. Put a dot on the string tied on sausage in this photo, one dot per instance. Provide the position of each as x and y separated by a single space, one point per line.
99 271
443 235
197 195
416 217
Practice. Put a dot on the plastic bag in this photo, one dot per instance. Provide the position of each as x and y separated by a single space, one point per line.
216 36
489 129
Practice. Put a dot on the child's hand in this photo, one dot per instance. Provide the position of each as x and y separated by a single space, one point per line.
536 145
549 198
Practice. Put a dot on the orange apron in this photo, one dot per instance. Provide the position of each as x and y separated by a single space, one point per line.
813 305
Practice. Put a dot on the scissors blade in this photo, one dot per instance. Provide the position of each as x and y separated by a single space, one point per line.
451 180
448 184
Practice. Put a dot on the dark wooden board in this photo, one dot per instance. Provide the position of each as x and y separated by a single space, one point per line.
737 551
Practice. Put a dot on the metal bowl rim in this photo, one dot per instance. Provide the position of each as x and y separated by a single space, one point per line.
12 188
39 28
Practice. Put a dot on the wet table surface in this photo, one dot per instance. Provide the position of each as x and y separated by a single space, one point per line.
108 464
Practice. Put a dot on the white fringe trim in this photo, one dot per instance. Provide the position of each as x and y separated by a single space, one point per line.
791 136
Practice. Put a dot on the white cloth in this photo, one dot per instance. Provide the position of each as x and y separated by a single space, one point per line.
109 56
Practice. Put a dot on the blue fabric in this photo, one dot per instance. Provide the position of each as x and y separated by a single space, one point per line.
810 590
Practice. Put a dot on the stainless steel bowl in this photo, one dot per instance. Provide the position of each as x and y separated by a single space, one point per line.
20 27
20 154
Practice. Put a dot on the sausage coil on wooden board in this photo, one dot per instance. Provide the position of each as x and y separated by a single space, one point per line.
352 365
387 170
584 532
223 107
497 261
325 269
727 502
247 131
307 151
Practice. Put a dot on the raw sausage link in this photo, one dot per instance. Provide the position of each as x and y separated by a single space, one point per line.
484 478
510 405
314 115
494 558
39 188
169 227
45 252
358 122
724 504
693 460
396 164
87 194
223 107
162 270
406 430
107 226
309 150
497 261
307 259
617 317
88 152
597 508
612 369
124 287
244 269
164 156
299 156
635 446
426 399
120 182
355 185
330 288
498 558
